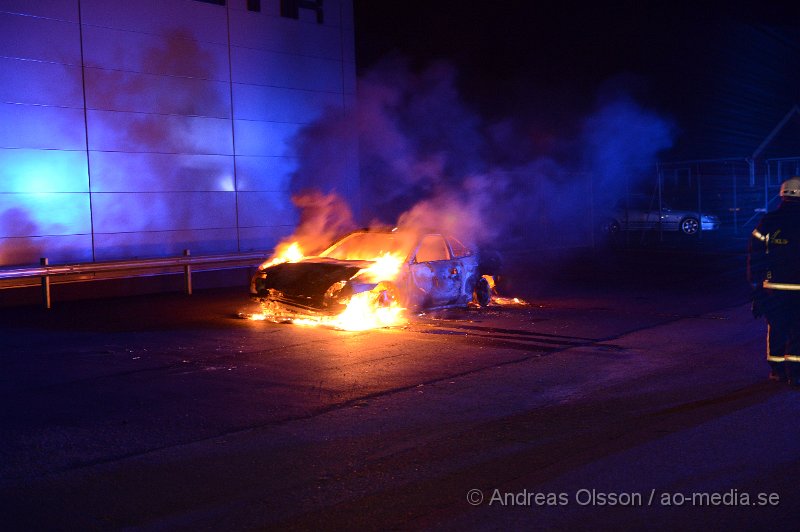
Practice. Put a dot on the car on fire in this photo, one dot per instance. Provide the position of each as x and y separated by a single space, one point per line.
642 213
394 267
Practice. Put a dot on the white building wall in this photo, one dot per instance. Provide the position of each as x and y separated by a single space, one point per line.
139 128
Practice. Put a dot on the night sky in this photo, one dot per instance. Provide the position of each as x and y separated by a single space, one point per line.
724 72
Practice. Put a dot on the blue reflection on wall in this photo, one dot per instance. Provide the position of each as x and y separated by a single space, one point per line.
40 171
44 206
158 174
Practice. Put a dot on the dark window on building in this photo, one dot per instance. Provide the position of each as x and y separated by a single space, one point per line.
254 5
215 2
291 8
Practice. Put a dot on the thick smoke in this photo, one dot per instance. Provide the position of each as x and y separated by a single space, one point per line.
429 161
323 218
417 139
461 210
621 142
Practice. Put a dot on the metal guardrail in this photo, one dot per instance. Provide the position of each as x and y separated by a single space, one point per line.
46 274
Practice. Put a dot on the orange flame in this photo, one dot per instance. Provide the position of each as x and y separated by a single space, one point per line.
502 301
366 310
384 268
288 252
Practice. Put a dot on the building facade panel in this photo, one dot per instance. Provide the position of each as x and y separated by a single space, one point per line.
257 209
158 17
264 138
44 214
270 174
41 39
175 53
347 16
273 69
130 212
116 90
66 10
191 138
283 35
37 126
40 171
336 11
59 249
41 83
161 172
263 237
349 78
277 104
144 132
149 244
348 47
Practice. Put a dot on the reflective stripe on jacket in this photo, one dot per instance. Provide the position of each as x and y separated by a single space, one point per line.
774 249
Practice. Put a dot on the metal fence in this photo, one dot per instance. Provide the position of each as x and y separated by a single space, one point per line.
46 274
737 190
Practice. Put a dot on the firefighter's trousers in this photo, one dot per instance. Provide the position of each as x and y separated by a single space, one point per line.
783 338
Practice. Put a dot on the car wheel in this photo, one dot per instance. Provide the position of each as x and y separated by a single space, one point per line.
385 294
690 226
482 292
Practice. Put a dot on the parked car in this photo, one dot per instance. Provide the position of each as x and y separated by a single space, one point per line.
416 270
641 213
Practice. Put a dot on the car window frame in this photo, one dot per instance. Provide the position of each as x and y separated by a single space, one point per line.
446 248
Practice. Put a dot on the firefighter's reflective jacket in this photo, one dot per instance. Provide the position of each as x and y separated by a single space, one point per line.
774 257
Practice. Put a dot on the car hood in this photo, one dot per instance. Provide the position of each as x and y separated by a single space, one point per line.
308 279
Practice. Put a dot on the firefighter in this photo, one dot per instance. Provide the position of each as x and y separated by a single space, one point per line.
774 271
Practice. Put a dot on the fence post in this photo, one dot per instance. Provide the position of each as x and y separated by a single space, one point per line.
187 274
45 285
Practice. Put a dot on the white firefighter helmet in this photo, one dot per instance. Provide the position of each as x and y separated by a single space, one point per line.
791 188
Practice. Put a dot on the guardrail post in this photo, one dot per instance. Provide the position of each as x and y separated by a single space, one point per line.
45 285
187 274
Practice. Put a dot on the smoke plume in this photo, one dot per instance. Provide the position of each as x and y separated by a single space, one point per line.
323 218
429 161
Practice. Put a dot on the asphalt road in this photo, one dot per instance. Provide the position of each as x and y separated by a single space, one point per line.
633 380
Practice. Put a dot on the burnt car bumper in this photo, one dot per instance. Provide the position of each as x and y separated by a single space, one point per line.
311 287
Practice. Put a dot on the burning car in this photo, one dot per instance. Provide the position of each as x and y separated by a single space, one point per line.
379 271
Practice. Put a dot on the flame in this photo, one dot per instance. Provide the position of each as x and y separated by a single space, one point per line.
502 301
384 268
288 252
372 309
509 301
293 253
366 310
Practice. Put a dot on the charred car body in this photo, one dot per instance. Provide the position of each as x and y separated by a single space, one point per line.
414 270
